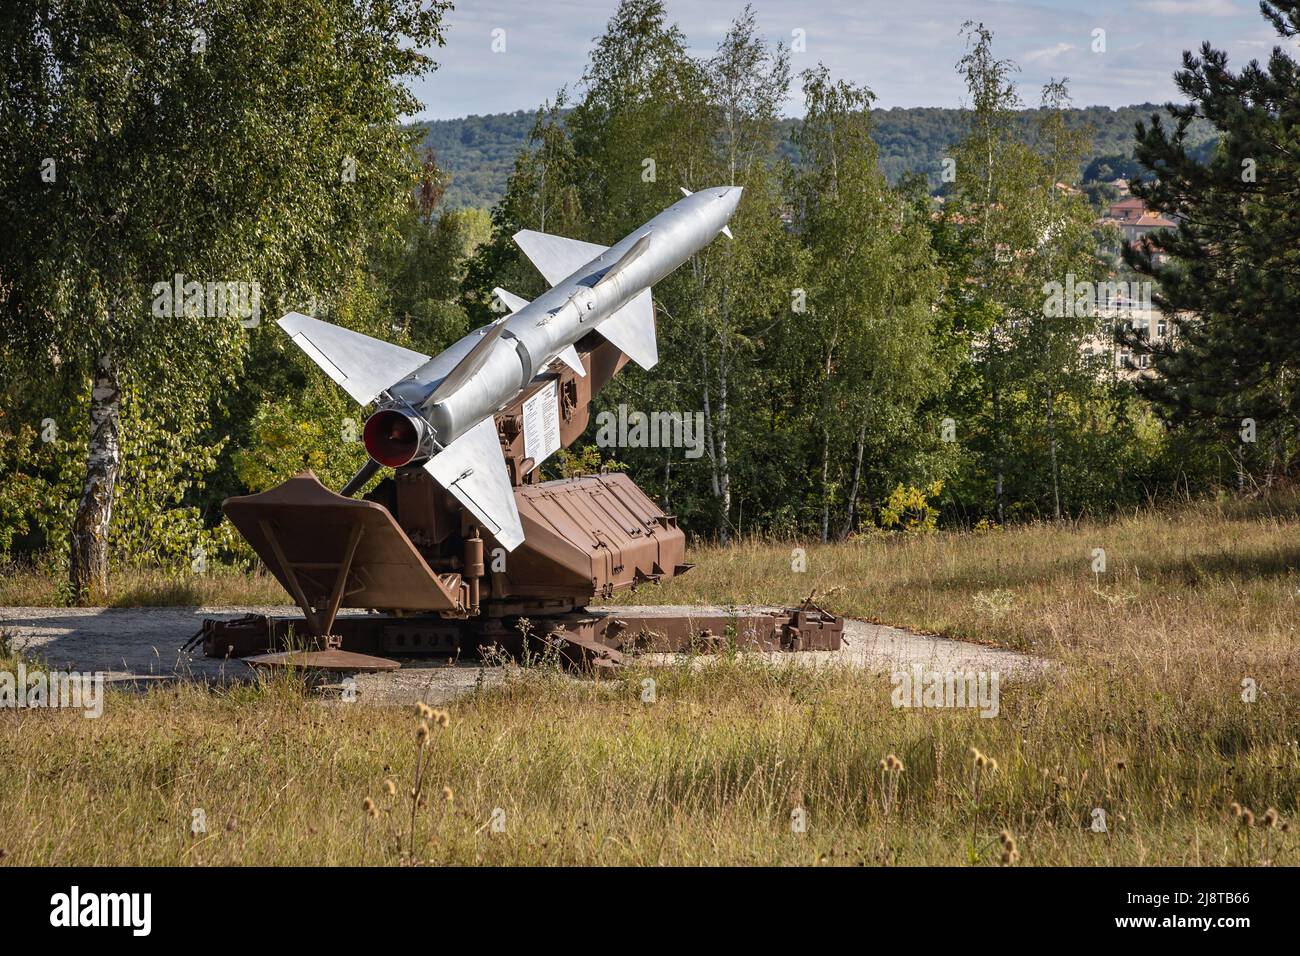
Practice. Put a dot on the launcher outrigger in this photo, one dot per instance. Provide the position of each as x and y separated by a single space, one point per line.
463 547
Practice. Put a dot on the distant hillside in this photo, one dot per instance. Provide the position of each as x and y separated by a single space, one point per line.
479 151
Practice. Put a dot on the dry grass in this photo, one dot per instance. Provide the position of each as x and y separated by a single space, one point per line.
1213 580
709 773
1143 718
24 585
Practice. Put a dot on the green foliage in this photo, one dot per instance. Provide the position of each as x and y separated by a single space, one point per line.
910 509
588 460
30 499
869 340
42 441
318 429
1041 415
161 502
162 508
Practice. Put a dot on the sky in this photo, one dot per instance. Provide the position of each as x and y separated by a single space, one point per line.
903 50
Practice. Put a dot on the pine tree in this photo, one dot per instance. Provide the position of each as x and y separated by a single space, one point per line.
1229 274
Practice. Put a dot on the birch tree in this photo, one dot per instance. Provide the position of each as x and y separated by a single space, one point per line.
188 145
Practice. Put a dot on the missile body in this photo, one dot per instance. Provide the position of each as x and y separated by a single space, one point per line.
536 334
439 410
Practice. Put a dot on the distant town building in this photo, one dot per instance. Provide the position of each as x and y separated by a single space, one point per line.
1140 315
1134 220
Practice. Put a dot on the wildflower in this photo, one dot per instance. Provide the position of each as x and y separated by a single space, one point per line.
1247 817
442 718
1270 818
423 710
389 787
1235 808
447 795
422 733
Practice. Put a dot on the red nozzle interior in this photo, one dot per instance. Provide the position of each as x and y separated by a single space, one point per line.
391 438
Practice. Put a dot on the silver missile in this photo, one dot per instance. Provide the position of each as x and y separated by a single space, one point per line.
439 411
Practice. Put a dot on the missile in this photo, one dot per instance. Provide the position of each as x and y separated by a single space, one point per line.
438 412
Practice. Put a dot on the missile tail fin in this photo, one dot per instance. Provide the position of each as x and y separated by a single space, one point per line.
470 364
511 301
569 356
473 468
363 367
358 481
632 330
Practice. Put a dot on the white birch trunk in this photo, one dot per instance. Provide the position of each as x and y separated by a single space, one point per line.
88 570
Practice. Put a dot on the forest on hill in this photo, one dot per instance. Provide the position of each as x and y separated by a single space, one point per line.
477 153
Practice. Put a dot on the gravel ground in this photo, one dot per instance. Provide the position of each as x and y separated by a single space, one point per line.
142 645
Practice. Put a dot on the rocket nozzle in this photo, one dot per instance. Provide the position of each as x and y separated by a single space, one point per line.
393 438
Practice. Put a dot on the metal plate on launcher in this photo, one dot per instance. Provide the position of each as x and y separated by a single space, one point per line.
416 638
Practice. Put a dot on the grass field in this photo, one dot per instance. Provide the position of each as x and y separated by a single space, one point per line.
1143 718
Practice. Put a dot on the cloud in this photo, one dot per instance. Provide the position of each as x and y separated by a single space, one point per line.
1047 54
1192 8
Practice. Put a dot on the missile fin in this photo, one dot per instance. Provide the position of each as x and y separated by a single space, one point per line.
685 191
511 301
362 366
555 257
569 356
726 231
632 330
470 364
473 468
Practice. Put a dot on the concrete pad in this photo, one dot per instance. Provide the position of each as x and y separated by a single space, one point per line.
138 646
876 647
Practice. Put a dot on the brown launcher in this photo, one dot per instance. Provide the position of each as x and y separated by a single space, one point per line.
411 552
